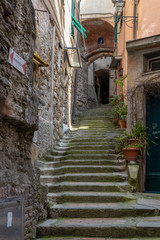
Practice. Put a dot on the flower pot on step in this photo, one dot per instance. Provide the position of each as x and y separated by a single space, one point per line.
133 141
131 154
122 123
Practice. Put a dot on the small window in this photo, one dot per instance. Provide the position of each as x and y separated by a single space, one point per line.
152 62
59 58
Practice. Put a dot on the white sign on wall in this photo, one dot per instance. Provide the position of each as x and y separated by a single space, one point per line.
16 61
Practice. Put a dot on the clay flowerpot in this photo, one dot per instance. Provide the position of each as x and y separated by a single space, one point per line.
133 141
131 154
122 123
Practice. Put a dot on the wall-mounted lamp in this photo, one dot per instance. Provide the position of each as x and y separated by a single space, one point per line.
74 57
119 5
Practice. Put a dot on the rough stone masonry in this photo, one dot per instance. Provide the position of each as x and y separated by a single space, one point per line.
18 111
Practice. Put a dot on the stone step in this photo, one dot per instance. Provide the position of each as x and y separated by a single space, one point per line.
86 238
90 146
87 177
82 169
89 139
80 162
90 197
94 143
95 156
95 131
98 134
100 210
85 151
101 227
69 151
98 130
88 187
83 157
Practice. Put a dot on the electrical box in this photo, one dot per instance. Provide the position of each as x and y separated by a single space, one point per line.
12 219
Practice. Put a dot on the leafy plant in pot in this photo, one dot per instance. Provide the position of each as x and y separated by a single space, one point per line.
121 110
119 114
114 100
133 144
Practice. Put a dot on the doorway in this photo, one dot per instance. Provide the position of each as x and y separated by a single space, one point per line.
102 86
153 156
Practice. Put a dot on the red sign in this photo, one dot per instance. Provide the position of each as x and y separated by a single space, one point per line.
16 61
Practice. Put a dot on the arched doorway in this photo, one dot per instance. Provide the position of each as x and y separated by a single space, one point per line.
102 86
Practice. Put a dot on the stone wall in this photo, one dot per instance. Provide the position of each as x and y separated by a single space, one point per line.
50 83
82 88
18 111
85 89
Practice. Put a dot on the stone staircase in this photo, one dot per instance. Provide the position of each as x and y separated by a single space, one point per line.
88 190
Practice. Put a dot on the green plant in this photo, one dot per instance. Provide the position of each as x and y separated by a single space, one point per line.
120 111
139 133
114 100
121 84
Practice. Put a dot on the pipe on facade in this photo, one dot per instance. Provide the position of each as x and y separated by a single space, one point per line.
76 75
52 69
134 20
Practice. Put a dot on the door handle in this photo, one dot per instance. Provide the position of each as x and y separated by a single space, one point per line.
156 139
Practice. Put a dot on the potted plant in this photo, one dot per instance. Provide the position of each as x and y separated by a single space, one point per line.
133 144
131 152
114 100
121 112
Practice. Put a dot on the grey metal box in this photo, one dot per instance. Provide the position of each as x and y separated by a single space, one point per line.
12 219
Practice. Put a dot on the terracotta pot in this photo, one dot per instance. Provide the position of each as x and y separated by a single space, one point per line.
131 154
133 141
122 123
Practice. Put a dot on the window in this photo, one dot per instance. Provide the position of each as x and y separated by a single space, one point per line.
152 62
59 59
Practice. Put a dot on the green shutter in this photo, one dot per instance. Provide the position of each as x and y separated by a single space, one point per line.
72 27
76 24
79 27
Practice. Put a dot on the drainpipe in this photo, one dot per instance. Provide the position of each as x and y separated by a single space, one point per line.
76 75
52 76
134 20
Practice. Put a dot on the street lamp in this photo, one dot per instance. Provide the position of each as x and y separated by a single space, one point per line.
119 5
74 57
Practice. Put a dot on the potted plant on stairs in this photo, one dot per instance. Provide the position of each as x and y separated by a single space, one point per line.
120 111
133 144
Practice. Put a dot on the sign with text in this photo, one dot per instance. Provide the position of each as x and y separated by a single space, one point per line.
16 61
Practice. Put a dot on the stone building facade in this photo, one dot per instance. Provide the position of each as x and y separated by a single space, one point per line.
50 81
54 82
18 117
34 106
85 94
143 92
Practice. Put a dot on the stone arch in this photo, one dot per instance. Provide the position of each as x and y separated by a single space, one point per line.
98 29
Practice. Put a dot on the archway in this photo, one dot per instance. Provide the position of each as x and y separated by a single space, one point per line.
102 86
100 39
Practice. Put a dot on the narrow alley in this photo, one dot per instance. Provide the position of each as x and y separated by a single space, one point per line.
79 120
88 189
